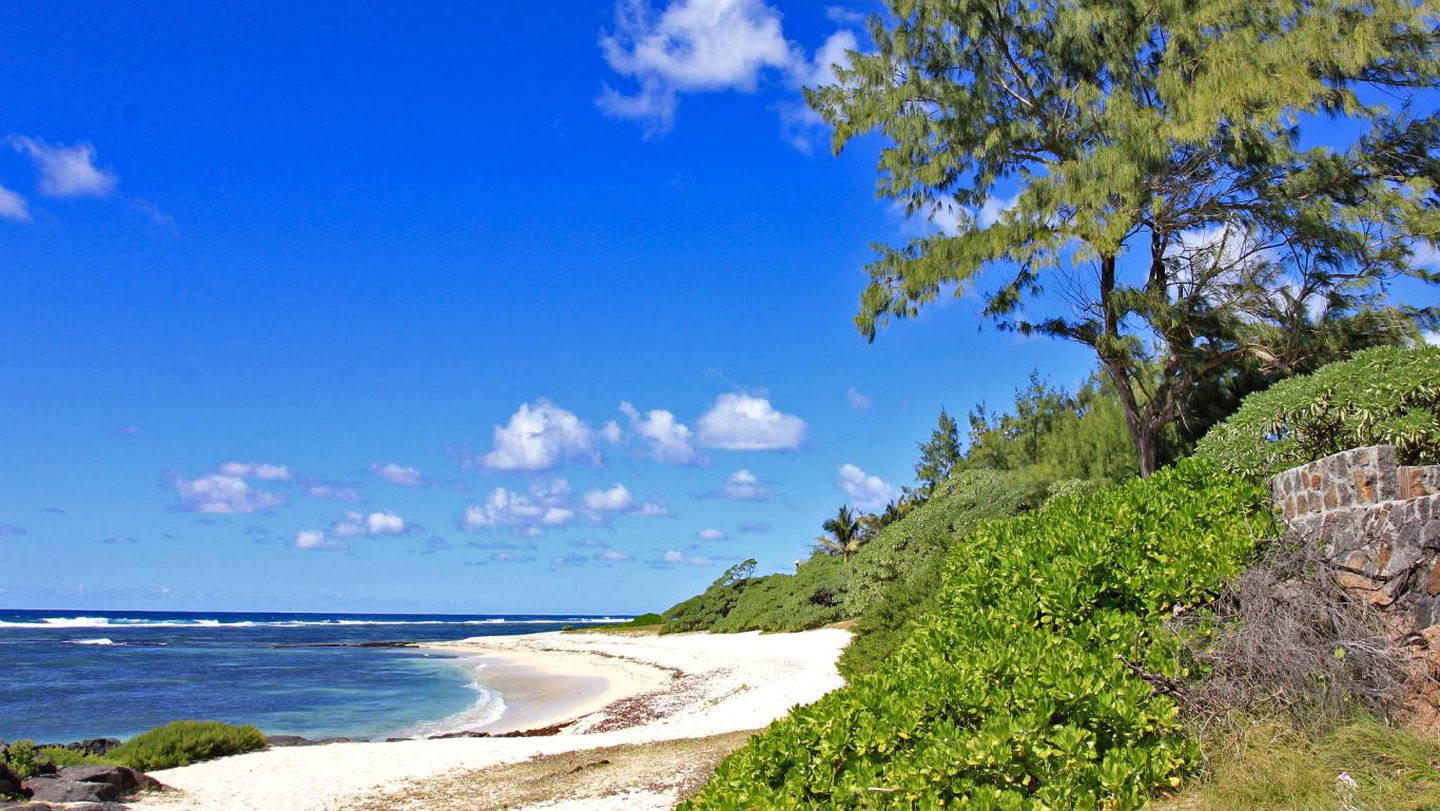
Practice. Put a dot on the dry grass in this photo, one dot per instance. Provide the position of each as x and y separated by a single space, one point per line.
1275 766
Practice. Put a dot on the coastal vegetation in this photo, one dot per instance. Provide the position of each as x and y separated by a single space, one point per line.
178 743
1030 683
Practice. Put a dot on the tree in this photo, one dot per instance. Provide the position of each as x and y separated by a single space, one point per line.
1165 189
844 535
938 456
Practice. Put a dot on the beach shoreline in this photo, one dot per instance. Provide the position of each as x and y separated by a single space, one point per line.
697 694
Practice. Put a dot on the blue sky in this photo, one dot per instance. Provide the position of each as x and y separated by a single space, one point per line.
470 307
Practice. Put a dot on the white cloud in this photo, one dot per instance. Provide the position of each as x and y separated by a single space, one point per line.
376 523
1431 337
611 432
674 557
543 508
539 437
334 492
691 46
799 124
66 171
740 422
651 507
755 526
611 500
859 400
256 470
668 440
710 534
397 474
742 485
316 540
13 207
224 493
613 556
865 491
840 15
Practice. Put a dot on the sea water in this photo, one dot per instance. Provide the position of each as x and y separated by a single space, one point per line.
69 675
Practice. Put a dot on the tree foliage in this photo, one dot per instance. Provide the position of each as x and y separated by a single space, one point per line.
1165 186
938 456
1383 396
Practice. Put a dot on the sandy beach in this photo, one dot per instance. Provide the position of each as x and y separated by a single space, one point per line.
679 699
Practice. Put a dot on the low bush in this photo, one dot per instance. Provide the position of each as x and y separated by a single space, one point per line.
1040 680
812 597
62 756
1386 396
894 577
24 759
180 743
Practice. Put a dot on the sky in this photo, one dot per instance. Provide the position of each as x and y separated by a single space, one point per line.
477 307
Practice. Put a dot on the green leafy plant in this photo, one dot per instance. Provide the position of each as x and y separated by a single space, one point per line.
180 743
1033 683
1384 396
61 756
24 759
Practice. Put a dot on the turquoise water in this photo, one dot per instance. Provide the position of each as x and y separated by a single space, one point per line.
70 675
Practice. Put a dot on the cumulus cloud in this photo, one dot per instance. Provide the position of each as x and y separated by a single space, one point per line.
333 492
256 470
13 206
357 523
865 491
570 559
225 492
435 544
741 422
66 171
666 439
654 507
613 556
690 46
858 400
1431 337
543 508
674 557
315 540
511 557
540 436
710 534
397 474
742 485
755 527
611 500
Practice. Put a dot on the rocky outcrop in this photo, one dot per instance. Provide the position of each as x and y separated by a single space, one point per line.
1379 524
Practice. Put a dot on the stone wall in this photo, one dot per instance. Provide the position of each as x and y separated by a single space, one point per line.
1378 522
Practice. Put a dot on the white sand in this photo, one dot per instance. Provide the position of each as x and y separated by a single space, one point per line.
658 688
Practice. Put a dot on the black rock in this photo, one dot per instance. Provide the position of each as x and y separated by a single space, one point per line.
94 747
9 782
57 790
287 740
123 778
447 735
336 740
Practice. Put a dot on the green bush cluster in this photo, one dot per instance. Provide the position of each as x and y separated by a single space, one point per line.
893 578
1026 688
180 743
1385 396
812 597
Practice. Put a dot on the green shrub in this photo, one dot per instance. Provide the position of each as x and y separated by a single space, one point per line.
180 743
62 757
1386 396
1024 689
703 611
646 620
812 597
24 759
895 575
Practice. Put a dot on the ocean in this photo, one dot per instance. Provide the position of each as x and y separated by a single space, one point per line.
69 675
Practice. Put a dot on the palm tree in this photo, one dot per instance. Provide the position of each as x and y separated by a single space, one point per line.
844 536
